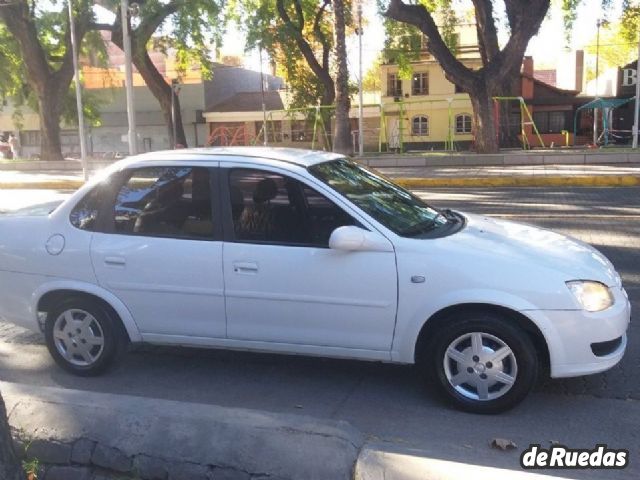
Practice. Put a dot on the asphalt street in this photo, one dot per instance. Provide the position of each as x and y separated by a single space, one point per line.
390 403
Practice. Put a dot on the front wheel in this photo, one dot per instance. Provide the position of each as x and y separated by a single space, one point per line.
82 336
484 363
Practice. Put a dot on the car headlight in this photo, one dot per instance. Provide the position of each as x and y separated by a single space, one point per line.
593 296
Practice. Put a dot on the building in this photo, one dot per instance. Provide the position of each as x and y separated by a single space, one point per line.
106 86
239 120
426 111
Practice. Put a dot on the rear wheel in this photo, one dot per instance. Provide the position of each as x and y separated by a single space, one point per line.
483 363
82 336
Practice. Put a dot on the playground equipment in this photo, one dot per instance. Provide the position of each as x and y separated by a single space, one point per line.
394 135
606 105
525 119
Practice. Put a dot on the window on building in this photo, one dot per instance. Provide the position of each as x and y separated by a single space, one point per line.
274 131
550 122
420 125
301 131
420 84
165 201
394 85
463 123
30 138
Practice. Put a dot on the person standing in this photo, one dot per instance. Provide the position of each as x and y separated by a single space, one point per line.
14 144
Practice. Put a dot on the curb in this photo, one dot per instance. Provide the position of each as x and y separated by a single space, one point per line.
417 182
526 181
78 432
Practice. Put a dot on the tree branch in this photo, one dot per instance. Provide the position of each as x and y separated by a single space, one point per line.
322 38
486 30
419 16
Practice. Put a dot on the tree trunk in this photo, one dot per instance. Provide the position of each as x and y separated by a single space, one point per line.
156 84
162 91
49 112
10 468
486 140
342 142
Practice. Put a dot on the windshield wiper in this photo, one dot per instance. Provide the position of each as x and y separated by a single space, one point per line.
422 227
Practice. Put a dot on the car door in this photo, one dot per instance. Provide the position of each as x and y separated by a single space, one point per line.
160 251
282 282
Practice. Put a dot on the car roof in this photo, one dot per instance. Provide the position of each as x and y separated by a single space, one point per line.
295 156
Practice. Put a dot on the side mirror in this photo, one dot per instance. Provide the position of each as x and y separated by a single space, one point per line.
356 239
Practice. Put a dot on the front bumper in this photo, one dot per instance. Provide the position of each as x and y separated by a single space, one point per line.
571 333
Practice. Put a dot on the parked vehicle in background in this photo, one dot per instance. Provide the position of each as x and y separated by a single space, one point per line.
303 252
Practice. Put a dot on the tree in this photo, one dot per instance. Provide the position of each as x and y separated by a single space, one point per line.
342 141
42 37
10 468
297 35
616 48
371 81
193 26
498 64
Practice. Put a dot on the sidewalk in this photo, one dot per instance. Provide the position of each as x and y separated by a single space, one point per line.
411 177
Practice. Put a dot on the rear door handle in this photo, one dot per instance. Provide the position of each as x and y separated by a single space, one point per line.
115 261
245 268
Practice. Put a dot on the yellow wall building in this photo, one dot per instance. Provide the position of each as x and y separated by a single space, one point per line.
426 110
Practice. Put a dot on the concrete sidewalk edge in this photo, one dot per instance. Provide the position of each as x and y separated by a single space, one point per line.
82 431
383 462
421 182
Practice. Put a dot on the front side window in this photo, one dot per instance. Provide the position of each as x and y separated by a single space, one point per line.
463 123
267 207
420 126
85 214
165 201
392 206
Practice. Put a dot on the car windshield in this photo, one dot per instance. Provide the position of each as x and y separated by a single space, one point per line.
391 205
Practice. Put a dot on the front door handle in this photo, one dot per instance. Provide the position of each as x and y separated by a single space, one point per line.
115 261
245 268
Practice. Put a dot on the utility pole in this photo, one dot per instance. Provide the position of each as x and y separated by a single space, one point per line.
175 89
599 24
637 101
264 105
128 76
360 100
76 70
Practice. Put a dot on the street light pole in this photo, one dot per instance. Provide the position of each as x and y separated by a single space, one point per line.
637 101
264 105
174 92
128 76
76 70
599 24
360 100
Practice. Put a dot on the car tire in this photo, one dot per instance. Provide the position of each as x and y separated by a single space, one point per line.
483 362
83 336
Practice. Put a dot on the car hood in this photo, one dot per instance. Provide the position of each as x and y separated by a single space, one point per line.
37 210
528 246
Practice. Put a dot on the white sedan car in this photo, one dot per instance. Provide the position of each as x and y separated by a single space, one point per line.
308 253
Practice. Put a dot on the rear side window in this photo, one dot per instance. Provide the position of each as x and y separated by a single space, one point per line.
85 214
165 201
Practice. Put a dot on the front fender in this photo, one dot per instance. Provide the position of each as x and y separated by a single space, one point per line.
413 315
120 308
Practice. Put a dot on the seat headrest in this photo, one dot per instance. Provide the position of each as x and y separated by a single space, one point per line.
265 190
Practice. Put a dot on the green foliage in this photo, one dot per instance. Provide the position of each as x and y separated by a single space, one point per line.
371 81
404 42
52 22
616 48
265 29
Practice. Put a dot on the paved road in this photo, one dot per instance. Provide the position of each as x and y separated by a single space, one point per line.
389 402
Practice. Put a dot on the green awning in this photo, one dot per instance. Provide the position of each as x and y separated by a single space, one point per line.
603 103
